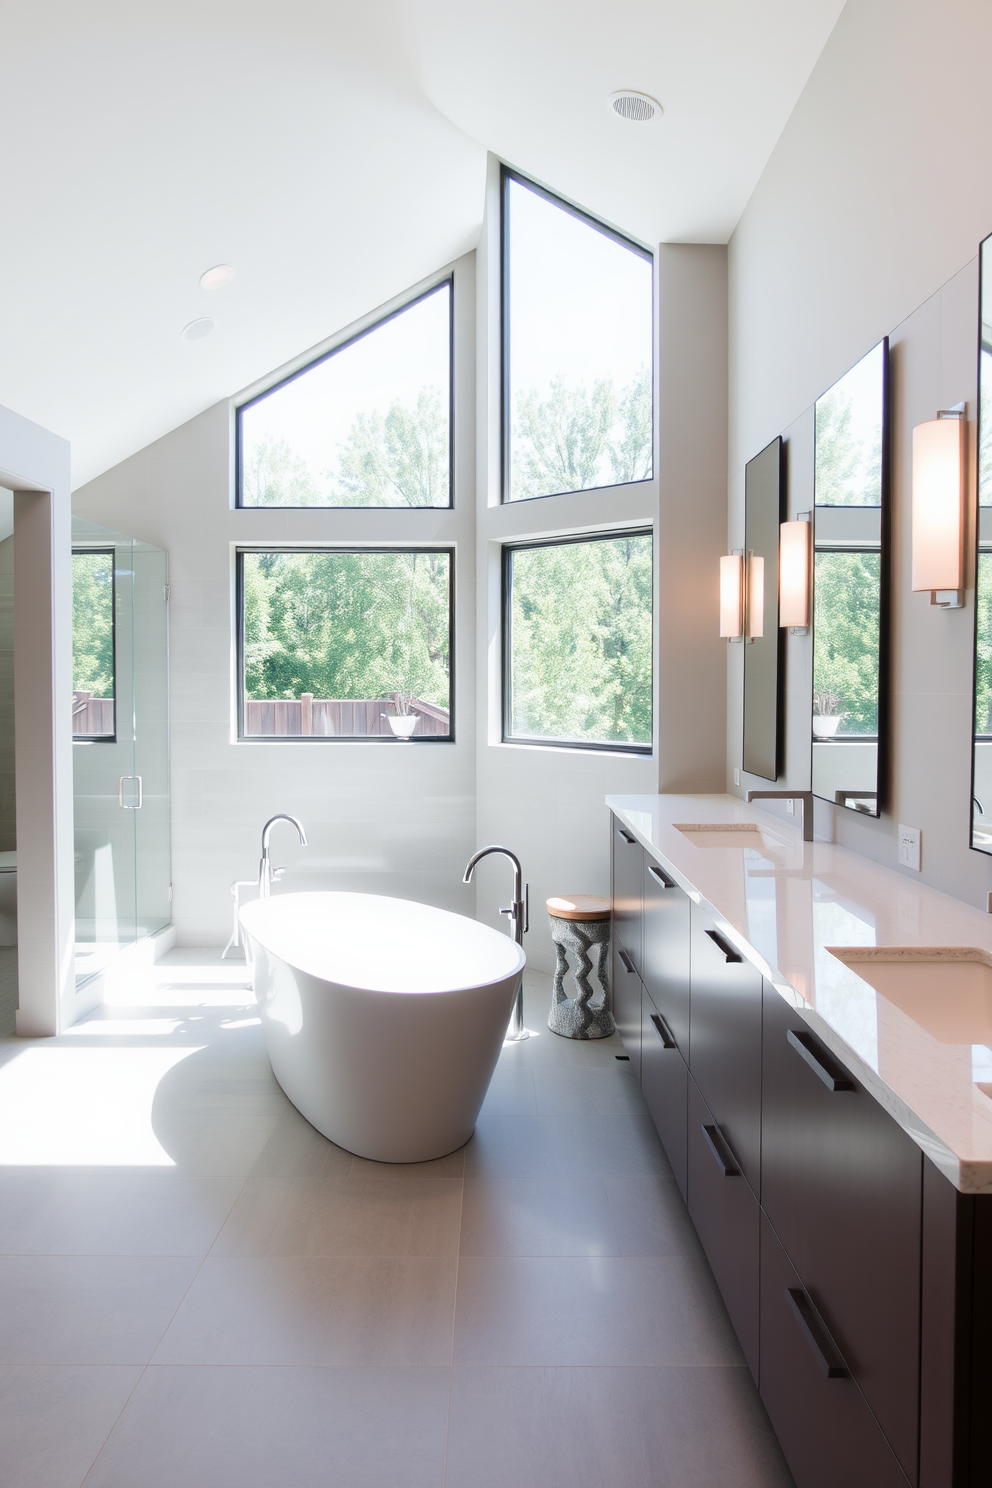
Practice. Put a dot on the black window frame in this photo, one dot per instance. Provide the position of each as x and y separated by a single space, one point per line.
448 281
506 635
110 553
508 174
380 549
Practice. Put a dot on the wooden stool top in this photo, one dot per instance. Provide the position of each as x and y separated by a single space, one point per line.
580 907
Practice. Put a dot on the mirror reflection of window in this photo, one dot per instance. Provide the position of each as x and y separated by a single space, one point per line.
981 832
848 585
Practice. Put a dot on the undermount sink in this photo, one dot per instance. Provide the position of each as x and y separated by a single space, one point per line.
947 990
728 834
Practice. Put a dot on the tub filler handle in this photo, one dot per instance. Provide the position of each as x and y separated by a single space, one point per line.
518 913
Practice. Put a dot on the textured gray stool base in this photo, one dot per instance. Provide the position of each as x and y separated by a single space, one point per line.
573 1017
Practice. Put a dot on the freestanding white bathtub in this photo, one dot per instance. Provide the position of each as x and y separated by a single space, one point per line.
383 1018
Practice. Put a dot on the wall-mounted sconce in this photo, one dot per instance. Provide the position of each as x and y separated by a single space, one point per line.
794 548
938 508
732 596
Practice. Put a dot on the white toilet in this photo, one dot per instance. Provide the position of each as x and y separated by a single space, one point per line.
8 898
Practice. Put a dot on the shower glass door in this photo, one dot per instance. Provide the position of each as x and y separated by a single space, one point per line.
120 743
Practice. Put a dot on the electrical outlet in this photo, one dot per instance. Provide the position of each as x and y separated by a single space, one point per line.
737 776
790 806
909 847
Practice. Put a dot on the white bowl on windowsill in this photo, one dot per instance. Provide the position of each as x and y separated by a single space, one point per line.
403 725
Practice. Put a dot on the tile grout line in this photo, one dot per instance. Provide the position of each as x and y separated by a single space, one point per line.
145 1367
454 1317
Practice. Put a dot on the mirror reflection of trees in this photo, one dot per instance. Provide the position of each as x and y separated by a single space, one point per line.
580 649
845 656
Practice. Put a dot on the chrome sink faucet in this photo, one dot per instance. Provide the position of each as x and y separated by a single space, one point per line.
518 914
806 797
265 870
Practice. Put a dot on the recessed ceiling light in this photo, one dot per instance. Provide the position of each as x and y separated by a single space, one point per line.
219 277
636 108
197 329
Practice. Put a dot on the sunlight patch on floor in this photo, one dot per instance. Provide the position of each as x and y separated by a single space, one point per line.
69 1107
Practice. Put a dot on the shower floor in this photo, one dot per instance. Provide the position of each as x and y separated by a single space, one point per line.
196 1288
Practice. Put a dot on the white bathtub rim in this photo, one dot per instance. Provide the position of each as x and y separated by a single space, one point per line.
493 956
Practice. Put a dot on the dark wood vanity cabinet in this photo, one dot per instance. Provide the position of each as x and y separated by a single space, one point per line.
725 1054
626 986
823 1423
841 1185
858 1279
665 1083
726 1215
628 892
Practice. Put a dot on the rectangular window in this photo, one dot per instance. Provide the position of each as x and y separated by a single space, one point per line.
577 349
346 644
577 657
367 425
93 690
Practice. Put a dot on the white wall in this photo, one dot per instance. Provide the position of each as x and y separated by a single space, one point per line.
382 818
866 222
405 820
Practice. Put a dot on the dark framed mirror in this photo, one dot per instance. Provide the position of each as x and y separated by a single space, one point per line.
850 585
981 757
763 491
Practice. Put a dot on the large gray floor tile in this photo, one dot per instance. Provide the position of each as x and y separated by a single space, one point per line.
561 1146
621 1310
610 1428
650 1216
55 1418
316 1311
361 1209
279 1428
512 1091
88 1309
80 1213
520 1216
600 1090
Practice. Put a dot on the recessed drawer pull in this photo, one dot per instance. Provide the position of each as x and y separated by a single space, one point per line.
628 964
723 945
662 877
720 1151
626 837
825 1351
806 1047
664 1032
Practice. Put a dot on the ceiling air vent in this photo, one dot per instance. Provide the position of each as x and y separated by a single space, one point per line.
638 108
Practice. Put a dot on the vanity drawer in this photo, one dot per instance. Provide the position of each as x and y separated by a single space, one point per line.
823 1423
628 890
664 1081
665 952
727 1219
842 1185
725 1049
626 986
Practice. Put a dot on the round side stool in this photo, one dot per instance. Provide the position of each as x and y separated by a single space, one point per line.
578 923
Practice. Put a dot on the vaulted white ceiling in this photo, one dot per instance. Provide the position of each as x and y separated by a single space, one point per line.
333 151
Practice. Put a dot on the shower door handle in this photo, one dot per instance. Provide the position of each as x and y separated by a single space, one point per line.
129 805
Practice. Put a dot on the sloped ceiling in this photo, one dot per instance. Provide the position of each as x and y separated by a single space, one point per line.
334 152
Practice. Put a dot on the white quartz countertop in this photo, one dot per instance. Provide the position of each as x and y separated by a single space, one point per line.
782 901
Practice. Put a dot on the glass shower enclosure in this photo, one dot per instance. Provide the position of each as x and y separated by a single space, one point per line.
120 727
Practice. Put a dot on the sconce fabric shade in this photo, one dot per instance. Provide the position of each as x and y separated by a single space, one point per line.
732 596
755 597
938 504
793 574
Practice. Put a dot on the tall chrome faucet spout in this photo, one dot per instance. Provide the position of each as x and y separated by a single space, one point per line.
519 915
265 865
805 797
